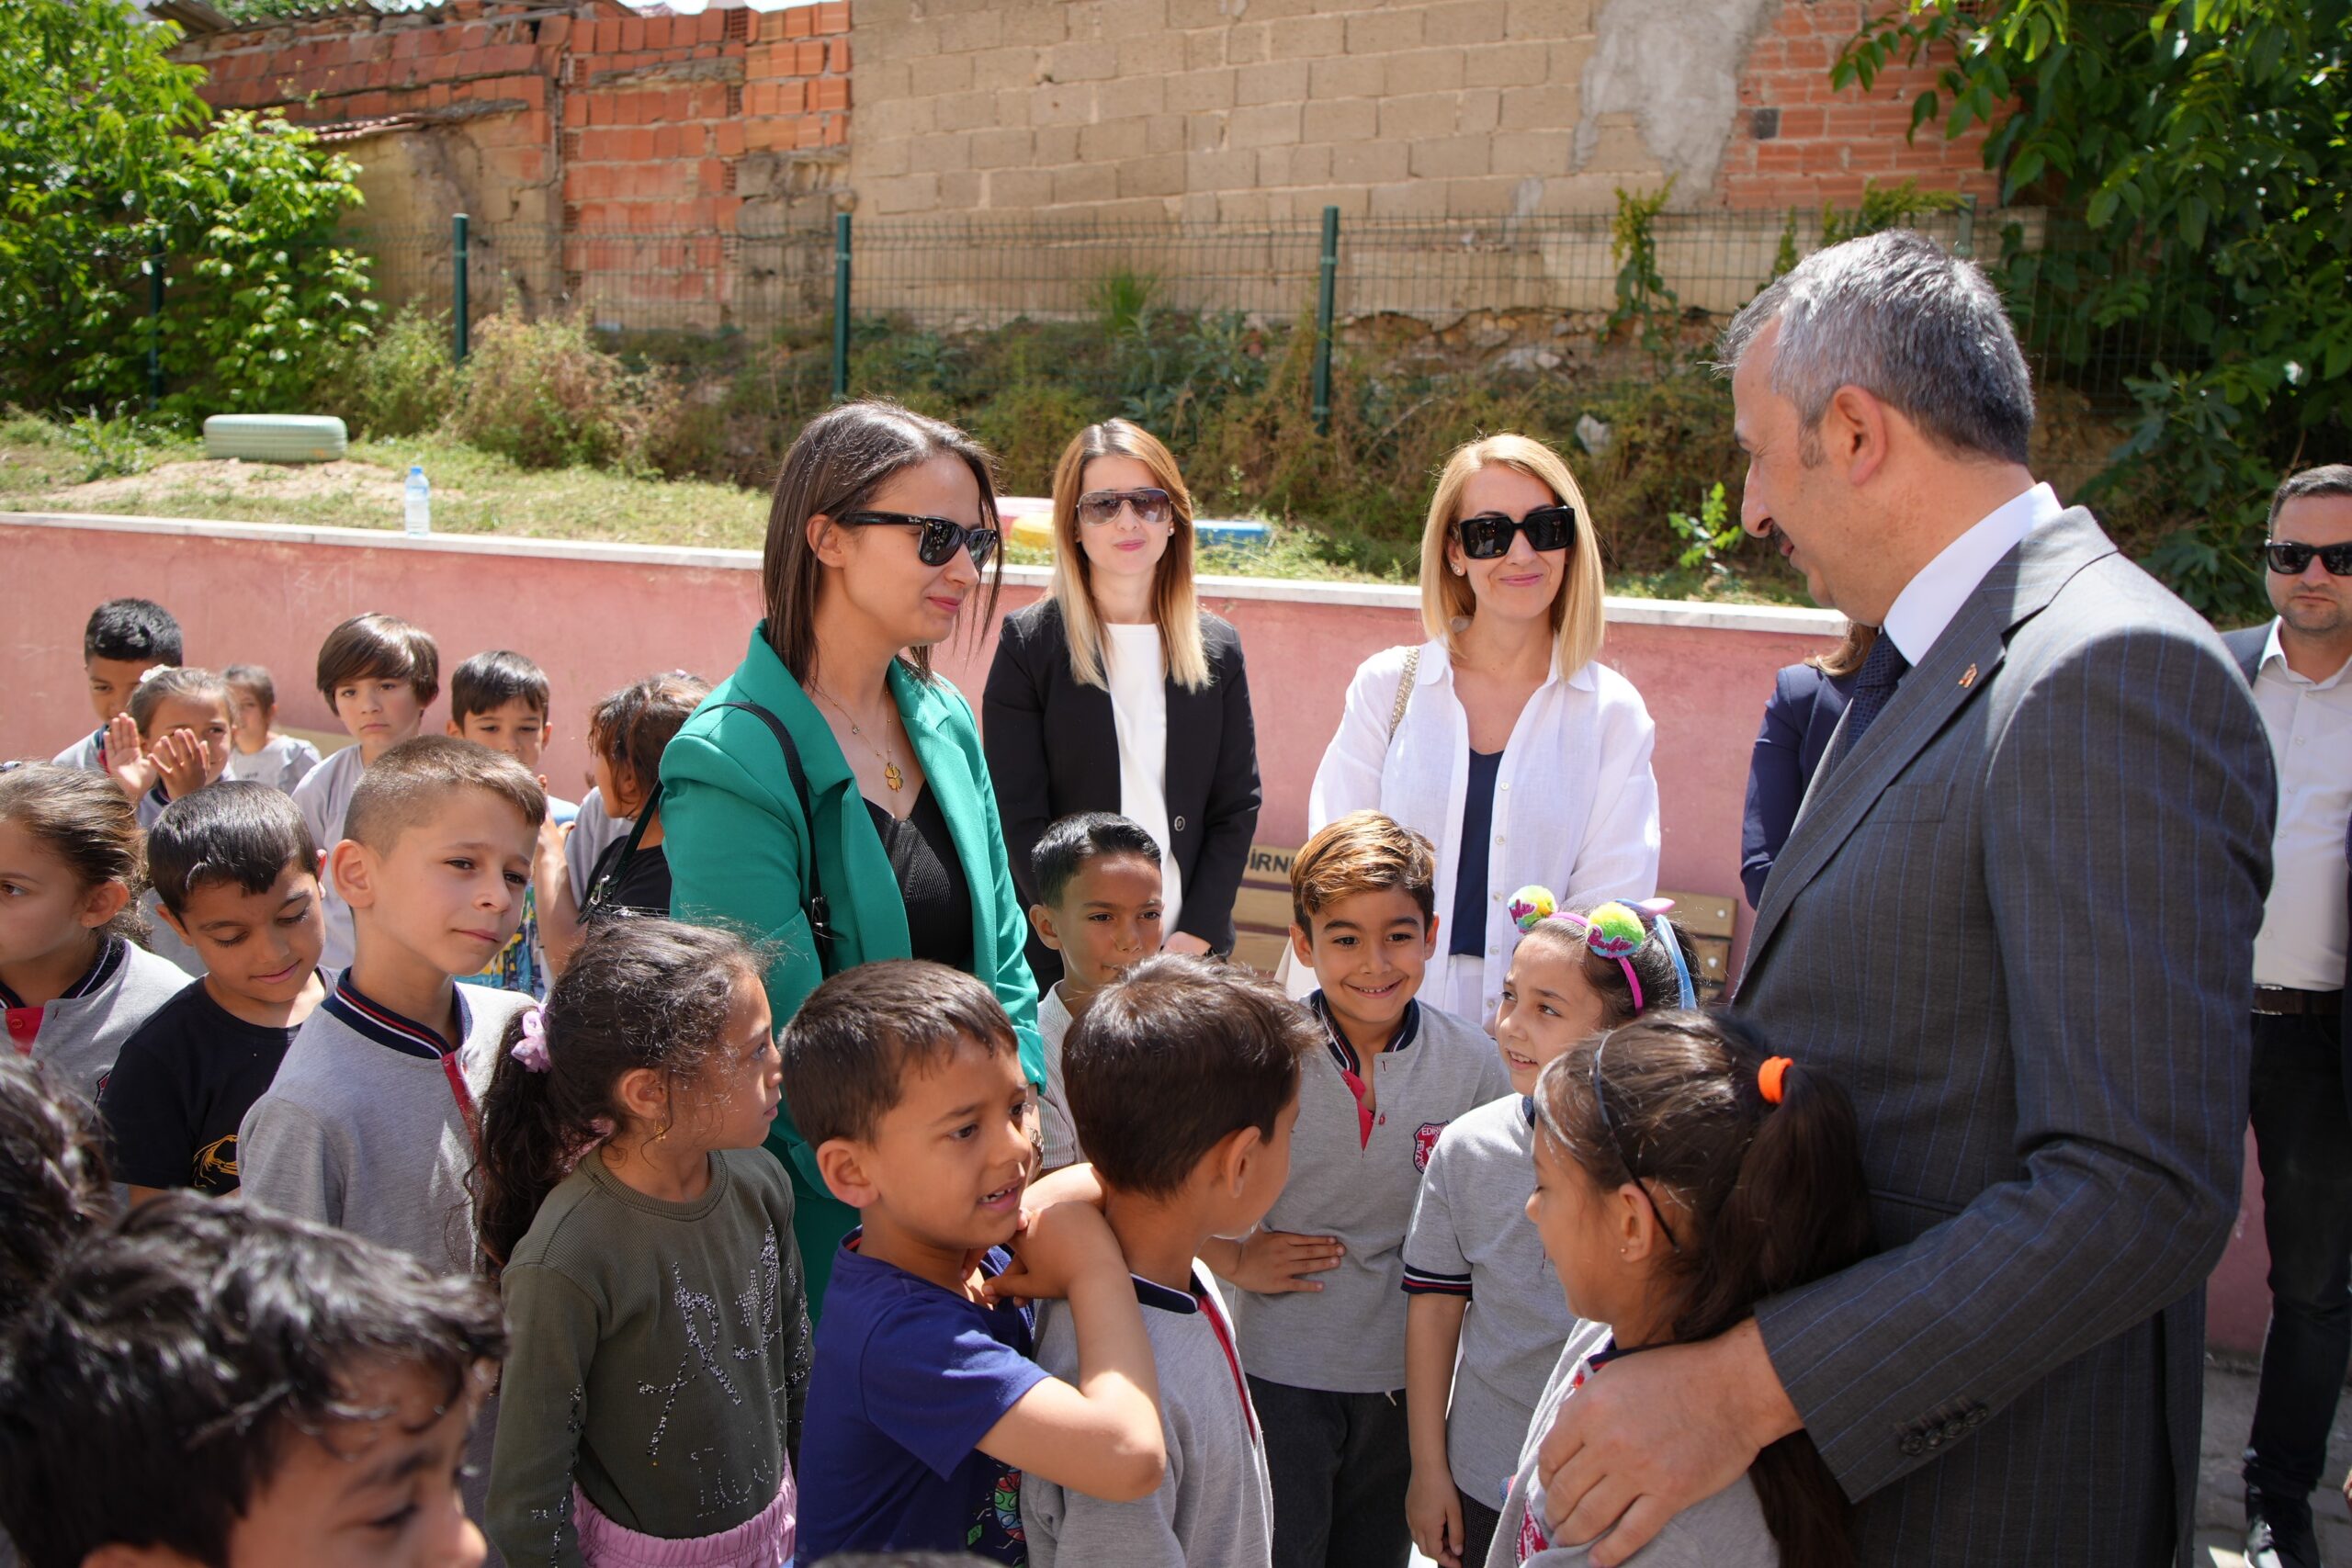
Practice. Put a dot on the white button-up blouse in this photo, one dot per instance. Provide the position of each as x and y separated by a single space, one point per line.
1576 805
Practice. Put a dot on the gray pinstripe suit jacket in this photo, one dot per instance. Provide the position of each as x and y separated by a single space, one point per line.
2017 922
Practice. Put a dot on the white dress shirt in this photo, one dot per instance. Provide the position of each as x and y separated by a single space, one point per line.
1575 805
1929 601
2302 943
1137 673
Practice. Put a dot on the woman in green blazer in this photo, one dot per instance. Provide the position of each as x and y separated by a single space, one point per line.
881 522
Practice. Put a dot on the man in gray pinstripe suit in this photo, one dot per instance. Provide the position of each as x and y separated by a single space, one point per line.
2015 919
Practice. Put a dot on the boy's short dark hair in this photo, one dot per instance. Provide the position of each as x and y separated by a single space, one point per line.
405 784
1173 1056
237 833
1364 852
491 680
634 724
1063 849
131 630
254 681
850 1049
379 647
190 1346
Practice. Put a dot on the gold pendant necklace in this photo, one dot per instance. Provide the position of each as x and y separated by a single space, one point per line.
891 773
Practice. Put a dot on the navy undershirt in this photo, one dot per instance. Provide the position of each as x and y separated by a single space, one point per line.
1469 915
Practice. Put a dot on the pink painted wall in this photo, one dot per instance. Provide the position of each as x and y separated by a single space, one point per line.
596 624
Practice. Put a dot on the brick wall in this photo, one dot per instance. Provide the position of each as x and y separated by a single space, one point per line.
1797 142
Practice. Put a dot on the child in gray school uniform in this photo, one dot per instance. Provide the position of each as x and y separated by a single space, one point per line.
73 984
1485 1322
123 640
1683 1173
373 1119
263 753
1321 1315
1183 1078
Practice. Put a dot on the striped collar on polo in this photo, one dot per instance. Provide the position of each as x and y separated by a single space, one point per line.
385 1027
112 951
1344 1054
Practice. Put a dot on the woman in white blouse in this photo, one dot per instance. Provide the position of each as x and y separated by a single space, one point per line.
1520 755
1119 692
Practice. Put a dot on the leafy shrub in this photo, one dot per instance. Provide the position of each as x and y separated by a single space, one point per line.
543 395
112 445
404 381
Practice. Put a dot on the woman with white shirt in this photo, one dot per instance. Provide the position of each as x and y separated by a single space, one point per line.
1503 738
1118 692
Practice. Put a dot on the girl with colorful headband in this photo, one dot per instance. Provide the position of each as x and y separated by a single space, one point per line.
1683 1173
1485 1322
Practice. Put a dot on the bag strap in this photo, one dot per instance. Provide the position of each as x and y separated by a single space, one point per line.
1405 690
813 904
592 907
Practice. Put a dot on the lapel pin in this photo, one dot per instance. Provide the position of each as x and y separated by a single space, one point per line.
1968 677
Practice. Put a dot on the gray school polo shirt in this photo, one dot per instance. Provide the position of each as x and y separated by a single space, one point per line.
1471 1237
1215 1505
1053 1095
324 797
363 1127
1726 1530
1356 1177
82 1032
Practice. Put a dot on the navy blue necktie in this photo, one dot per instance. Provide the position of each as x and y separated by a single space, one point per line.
1873 689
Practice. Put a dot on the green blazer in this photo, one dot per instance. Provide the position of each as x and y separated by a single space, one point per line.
737 844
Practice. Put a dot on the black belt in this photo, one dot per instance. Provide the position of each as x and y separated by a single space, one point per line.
2284 1001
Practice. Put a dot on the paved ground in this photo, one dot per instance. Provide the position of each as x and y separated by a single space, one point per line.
2220 1513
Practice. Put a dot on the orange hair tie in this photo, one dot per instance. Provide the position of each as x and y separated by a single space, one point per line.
1772 1076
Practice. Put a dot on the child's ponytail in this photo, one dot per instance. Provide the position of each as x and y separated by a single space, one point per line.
1759 1159
637 994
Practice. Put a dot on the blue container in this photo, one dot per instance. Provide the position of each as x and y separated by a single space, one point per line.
1230 535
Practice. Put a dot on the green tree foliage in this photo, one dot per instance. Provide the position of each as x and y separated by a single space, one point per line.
2197 150
110 161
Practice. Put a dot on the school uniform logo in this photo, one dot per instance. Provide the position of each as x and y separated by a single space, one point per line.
1425 1138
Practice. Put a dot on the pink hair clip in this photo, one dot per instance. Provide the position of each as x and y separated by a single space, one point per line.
530 1051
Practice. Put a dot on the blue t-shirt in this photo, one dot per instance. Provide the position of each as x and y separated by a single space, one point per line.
908 1378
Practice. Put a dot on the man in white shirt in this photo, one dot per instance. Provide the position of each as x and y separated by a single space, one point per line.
2301 666
2014 921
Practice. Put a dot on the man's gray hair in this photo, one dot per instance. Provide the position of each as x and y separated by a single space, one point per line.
1918 329
2328 479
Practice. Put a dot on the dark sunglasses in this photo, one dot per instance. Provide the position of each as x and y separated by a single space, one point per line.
2289 561
1101 506
1488 535
939 540
1617 1141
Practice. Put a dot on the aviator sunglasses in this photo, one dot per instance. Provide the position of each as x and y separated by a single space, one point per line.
1488 535
2290 560
938 538
1101 507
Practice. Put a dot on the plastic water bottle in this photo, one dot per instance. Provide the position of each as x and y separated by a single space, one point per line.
419 503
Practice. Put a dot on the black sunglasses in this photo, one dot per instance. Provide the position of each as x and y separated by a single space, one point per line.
2289 560
1488 535
1617 1141
940 539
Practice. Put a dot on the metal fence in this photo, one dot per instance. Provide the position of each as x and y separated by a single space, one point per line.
1497 279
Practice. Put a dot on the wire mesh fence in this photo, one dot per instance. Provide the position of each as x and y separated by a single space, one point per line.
1559 277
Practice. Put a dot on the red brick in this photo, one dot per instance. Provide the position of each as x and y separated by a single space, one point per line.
836 131
809 60
799 22
644 145
832 17
838 60
710 175
657 32
727 136
555 32
711 27
633 35
831 93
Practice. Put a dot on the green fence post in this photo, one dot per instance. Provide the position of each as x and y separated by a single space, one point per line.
1326 297
155 324
1964 245
458 284
841 307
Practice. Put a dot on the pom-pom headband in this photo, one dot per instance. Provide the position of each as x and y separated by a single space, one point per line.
1613 931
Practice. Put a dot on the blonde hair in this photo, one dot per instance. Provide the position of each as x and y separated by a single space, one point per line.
1847 658
1174 607
1577 618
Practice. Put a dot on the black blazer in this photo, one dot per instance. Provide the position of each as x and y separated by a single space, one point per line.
1798 722
1053 749
2245 647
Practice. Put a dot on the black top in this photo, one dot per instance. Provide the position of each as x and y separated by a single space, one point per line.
643 889
1053 749
1469 912
185 1079
930 881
